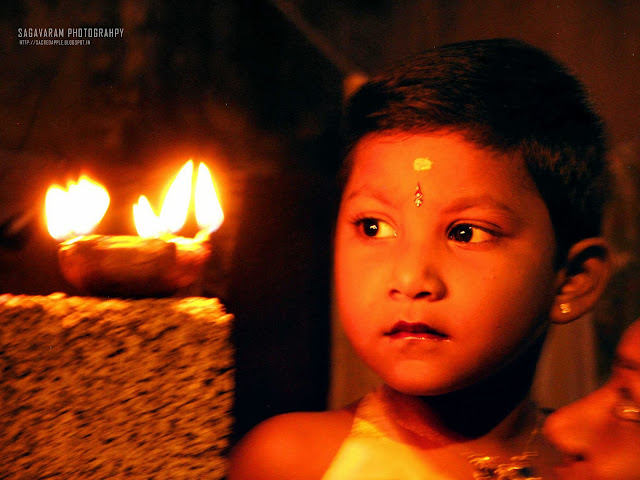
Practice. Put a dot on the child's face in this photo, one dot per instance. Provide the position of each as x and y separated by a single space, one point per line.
438 296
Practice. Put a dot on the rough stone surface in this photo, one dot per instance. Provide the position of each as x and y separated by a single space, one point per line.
110 388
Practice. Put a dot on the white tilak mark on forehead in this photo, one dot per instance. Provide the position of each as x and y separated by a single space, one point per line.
422 163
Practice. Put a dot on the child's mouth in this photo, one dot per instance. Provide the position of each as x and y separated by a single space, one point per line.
415 331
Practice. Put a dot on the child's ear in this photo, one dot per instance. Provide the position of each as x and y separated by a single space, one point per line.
582 280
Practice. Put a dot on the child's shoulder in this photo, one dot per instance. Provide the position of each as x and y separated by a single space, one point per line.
292 445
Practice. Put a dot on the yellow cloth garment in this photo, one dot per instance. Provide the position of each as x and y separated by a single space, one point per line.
370 451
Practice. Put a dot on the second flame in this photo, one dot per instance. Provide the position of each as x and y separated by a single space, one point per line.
175 205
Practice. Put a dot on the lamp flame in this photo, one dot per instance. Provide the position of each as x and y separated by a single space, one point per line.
209 213
76 210
146 221
175 205
176 202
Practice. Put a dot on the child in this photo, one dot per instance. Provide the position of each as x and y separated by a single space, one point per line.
600 434
470 220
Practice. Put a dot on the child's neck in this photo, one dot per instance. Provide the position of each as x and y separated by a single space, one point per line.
497 408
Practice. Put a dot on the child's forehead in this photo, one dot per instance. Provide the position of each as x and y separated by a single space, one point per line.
398 146
446 172
389 154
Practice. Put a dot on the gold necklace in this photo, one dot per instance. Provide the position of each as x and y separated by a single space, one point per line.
520 467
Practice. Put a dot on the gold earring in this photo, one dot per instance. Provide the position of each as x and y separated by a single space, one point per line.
565 308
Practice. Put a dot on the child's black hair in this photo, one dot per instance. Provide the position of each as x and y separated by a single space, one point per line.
509 97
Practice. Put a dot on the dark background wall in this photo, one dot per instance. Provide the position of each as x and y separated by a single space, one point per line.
254 89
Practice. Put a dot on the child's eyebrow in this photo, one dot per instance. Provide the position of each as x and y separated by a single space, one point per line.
368 192
458 205
478 201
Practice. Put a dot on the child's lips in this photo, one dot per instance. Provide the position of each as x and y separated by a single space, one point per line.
403 330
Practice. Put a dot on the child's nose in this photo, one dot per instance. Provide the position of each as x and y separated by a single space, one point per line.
415 276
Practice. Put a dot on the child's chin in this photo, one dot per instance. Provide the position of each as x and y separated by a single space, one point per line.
419 388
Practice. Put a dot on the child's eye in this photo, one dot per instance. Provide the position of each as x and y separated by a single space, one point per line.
375 228
467 233
626 409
